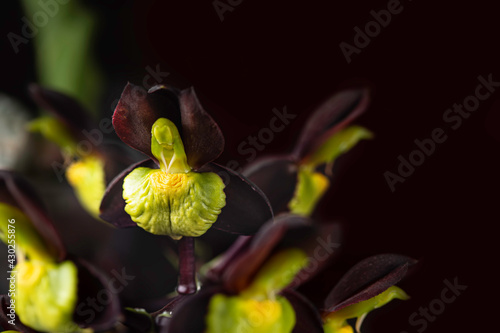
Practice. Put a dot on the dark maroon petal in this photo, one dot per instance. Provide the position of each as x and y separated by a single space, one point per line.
247 208
135 321
166 100
66 109
5 195
276 177
116 156
241 244
283 231
334 114
190 315
4 319
137 111
163 322
172 303
308 319
148 263
25 198
239 274
112 204
367 279
202 137
94 284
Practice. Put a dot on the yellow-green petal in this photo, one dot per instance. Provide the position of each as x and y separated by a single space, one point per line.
336 322
311 185
238 314
88 179
276 273
310 188
343 328
337 144
55 131
167 147
46 295
174 204
17 231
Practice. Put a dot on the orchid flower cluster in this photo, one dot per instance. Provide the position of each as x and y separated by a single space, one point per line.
179 193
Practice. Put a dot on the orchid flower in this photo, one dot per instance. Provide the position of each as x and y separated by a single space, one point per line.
89 162
367 286
178 191
303 175
253 286
49 285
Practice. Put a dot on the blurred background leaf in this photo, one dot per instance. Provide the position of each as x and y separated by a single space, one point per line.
64 49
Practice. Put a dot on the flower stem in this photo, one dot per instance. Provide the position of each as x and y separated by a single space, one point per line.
187 269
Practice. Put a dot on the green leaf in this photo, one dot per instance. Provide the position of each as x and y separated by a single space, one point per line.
64 50
46 295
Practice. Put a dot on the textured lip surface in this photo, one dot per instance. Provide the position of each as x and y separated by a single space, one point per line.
112 204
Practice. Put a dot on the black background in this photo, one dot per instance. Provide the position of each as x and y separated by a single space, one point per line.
268 54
